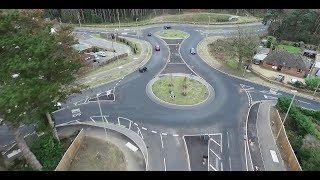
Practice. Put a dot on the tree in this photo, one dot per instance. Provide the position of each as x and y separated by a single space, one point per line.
312 82
37 70
244 43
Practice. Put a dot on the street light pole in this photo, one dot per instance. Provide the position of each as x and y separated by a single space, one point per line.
137 27
105 129
179 16
282 124
316 88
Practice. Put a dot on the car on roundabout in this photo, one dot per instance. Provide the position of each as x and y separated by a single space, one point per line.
143 69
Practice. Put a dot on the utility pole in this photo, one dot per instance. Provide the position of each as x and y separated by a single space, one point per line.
282 125
179 16
316 88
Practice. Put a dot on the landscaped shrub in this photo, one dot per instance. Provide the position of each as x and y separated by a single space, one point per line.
312 82
95 49
298 84
312 113
48 151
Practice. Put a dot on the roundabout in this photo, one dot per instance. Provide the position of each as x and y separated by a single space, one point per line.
172 34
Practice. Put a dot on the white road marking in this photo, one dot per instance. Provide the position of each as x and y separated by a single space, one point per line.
131 146
164 134
154 131
228 139
144 128
215 142
117 84
176 135
274 156
13 153
161 140
130 125
135 124
303 101
230 163
213 167
269 97
92 120
164 163
215 154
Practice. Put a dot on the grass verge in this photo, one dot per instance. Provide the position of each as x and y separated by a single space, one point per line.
196 92
172 34
291 49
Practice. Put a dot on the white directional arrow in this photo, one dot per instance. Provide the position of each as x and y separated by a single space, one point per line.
245 87
271 92
269 97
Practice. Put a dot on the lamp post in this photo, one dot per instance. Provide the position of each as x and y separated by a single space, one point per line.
316 88
179 16
105 129
282 124
137 27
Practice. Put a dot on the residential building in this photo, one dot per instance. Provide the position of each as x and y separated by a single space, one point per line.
287 63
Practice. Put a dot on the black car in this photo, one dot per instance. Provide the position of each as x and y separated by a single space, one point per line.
279 78
167 27
142 70
149 34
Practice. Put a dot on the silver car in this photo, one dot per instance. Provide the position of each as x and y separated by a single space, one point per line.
192 51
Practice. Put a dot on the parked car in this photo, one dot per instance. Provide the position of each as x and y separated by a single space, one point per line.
149 34
280 78
192 51
318 73
101 53
142 70
167 27
157 48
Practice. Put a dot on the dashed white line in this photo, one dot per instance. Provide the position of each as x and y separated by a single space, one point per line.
228 139
230 163
154 131
164 134
135 124
176 135
215 154
164 163
161 140
117 84
144 128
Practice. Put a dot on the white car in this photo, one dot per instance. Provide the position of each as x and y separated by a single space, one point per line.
102 54
293 80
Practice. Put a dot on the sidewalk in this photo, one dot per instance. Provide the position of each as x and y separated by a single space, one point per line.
270 154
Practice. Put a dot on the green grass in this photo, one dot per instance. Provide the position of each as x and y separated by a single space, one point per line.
291 49
231 63
172 34
196 91
198 17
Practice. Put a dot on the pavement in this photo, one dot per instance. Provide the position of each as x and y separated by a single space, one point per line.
264 151
272 74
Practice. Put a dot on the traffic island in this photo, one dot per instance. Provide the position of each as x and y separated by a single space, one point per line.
179 90
172 34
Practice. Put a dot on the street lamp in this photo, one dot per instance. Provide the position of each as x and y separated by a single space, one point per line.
294 95
137 27
105 129
179 16
316 88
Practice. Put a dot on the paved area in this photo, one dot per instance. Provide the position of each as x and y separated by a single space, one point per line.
272 74
264 152
134 160
271 156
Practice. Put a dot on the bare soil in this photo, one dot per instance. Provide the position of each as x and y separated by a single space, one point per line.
98 155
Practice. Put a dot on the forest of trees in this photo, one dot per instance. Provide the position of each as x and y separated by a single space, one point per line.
129 15
294 24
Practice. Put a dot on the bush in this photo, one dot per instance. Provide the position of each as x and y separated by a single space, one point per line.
298 84
48 151
95 49
312 82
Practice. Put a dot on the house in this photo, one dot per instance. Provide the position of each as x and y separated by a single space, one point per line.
310 53
287 63
262 53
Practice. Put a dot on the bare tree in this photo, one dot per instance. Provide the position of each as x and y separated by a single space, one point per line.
244 43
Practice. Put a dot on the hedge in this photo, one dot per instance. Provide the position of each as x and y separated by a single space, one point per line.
303 122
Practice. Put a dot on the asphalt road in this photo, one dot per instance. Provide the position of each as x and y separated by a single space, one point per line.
162 128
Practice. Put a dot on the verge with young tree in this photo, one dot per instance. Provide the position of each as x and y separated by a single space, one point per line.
38 69
244 43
